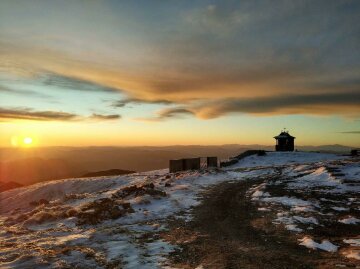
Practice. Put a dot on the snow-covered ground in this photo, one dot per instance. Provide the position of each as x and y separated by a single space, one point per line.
116 222
313 198
283 158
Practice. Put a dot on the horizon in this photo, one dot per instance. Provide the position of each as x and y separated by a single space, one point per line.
131 74
28 165
171 145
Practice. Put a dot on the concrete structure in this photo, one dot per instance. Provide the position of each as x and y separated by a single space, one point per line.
284 142
212 161
175 166
191 164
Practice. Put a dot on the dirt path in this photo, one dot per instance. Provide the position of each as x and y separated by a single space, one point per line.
228 231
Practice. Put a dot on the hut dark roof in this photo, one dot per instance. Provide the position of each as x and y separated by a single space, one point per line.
284 135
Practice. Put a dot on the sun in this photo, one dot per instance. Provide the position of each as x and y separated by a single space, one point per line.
24 141
28 140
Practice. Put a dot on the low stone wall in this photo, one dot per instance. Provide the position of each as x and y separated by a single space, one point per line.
247 153
229 162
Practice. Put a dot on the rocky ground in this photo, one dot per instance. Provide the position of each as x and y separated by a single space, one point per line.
288 210
239 226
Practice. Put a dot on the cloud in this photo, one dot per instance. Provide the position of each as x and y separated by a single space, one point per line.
217 18
124 102
30 114
327 103
175 113
209 60
167 113
72 83
105 117
346 103
350 132
24 113
8 90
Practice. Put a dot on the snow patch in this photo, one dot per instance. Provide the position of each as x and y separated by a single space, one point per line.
350 220
338 208
288 201
284 158
308 220
353 242
324 245
293 228
264 209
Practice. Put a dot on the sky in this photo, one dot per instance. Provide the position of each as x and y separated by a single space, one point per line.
125 73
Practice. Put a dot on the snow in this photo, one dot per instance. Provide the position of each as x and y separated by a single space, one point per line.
324 245
307 220
338 208
257 194
288 201
351 172
302 208
353 242
112 241
302 211
284 158
57 189
39 235
264 209
293 228
349 220
291 222
319 177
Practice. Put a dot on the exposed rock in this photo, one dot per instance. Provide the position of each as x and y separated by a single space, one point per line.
103 209
139 191
71 213
126 206
40 202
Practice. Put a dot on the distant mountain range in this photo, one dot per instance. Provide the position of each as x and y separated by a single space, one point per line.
336 148
31 165
4 186
111 172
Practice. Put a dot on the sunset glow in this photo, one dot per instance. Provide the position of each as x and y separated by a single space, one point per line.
179 134
28 140
187 73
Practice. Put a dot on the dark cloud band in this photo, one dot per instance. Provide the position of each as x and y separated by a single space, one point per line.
124 102
30 114
327 103
351 132
105 117
72 83
286 104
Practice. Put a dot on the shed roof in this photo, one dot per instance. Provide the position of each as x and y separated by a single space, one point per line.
284 134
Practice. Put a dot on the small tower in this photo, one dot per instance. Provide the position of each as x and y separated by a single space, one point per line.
284 141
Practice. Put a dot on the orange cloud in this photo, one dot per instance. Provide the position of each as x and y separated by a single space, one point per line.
204 91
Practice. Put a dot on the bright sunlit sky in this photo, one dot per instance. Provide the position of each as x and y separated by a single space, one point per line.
80 73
